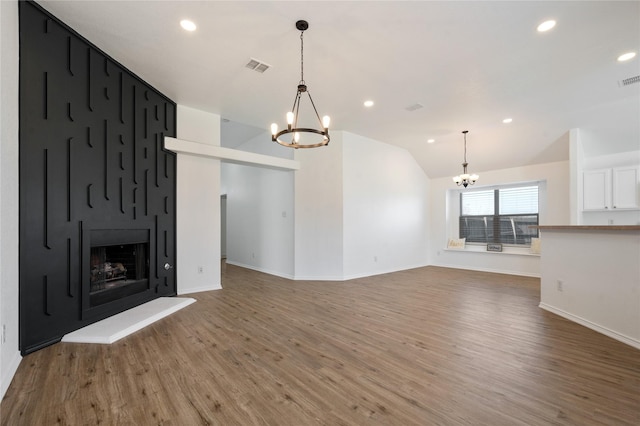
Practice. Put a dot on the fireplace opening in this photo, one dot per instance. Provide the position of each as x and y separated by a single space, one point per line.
117 270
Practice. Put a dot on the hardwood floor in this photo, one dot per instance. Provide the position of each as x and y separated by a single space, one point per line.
419 347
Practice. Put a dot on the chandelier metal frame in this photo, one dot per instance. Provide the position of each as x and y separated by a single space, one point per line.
292 116
465 178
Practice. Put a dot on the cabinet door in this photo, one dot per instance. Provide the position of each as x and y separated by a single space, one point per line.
625 188
596 189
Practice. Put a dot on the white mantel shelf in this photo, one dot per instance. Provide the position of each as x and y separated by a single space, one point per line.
181 146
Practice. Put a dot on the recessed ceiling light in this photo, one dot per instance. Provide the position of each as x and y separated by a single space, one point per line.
546 25
626 56
431 140
507 120
188 25
368 104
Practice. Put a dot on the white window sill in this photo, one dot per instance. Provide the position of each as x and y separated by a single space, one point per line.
482 248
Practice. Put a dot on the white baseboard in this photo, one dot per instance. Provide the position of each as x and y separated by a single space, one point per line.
323 277
492 270
200 289
596 327
8 371
386 271
255 268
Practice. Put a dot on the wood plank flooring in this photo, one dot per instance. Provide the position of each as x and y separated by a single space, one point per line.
428 346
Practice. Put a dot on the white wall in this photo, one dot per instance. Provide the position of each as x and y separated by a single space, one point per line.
385 197
600 280
554 210
318 212
9 350
198 205
260 211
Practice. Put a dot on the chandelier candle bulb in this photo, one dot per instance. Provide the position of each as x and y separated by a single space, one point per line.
326 120
274 128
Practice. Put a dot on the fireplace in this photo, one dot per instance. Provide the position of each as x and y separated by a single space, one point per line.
95 183
117 265
117 271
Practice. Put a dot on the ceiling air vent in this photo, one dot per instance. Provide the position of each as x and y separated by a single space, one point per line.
257 65
414 107
630 80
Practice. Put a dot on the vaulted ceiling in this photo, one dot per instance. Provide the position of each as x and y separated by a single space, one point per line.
468 64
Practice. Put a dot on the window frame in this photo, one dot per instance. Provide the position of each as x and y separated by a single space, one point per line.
497 218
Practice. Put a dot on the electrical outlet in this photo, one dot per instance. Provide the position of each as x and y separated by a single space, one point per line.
4 333
375 259
200 269
559 285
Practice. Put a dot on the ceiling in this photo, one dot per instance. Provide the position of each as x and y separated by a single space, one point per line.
469 64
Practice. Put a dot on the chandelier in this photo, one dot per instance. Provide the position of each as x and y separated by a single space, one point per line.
465 178
301 137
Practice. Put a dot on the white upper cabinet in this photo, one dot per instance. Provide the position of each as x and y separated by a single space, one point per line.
625 188
611 189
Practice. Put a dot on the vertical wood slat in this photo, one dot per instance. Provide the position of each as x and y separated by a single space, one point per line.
135 191
120 83
166 244
146 192
166 120
69 55
45 192
89 136
69 179
155 225
121 160
156 157
70 291
89 201
121 194
89 79
134 139
80 268
106 160
69 114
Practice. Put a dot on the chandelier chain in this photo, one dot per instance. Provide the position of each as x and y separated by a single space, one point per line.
301 57
465 147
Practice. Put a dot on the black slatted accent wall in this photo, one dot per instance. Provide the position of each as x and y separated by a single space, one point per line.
91 157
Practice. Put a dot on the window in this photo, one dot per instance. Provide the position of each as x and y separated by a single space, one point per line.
499 215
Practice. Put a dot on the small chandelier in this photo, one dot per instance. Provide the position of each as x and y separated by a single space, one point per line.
296 140
465 178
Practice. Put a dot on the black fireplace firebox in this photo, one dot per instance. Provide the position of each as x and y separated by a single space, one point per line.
116 266
117 271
